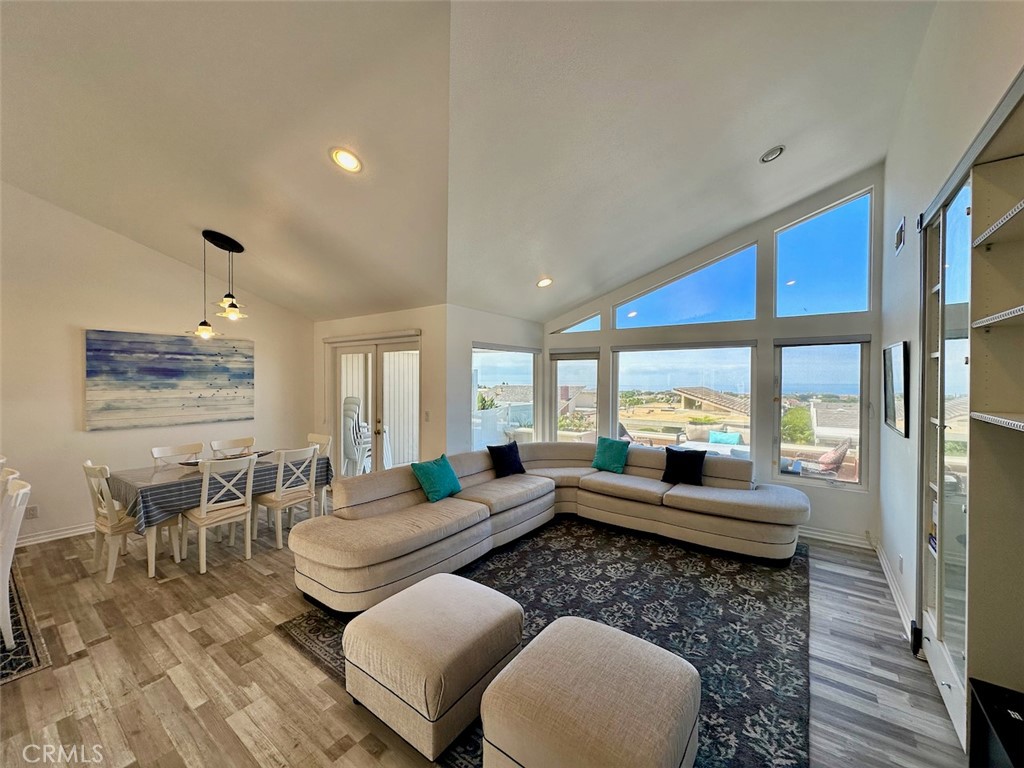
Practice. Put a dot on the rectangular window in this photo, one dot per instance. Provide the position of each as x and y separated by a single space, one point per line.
821 411
692 398
576 400
503 397
823 263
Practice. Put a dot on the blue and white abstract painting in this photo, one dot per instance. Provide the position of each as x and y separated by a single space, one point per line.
153 380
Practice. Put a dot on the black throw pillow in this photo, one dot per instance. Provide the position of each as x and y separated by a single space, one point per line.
506 459
684 466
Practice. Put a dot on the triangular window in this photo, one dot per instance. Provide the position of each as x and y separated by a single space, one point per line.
592 323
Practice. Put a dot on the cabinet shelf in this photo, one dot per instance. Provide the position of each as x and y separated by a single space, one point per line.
1009 420
1013 316
1008 228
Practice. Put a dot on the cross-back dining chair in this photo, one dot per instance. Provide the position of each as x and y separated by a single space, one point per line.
226 497
112 524
172 454
12 511
323 445
233 448
296 478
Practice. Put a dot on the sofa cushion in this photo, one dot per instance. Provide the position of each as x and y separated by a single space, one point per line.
633 487
765 504
372 540
564 477
557 454
507 492
506 459
610 455
437 478
684 466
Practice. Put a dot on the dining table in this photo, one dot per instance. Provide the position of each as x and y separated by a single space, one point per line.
154 494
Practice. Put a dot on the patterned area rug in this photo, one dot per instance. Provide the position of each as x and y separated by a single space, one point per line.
743 624
29 652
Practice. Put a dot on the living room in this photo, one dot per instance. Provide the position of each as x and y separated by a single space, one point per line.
613 149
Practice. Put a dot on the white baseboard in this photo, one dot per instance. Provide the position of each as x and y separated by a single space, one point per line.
58 533
894 587
835 537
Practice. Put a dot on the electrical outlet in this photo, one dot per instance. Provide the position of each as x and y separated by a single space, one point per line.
901 564
32 512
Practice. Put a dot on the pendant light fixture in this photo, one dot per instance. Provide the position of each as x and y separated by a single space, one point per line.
204 330
229 304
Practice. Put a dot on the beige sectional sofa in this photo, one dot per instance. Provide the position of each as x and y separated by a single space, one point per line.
384 535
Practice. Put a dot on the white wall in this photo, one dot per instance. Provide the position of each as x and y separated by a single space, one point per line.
847 512
63 274
970 55
467 327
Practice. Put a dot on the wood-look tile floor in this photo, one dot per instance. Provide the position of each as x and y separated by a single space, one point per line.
186 670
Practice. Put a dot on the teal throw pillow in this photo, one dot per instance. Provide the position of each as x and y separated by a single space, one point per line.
437 478
726 438
610 455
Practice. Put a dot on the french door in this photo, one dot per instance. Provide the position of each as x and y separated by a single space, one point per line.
376 413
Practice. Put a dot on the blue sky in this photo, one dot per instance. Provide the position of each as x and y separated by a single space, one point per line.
822 264
717 293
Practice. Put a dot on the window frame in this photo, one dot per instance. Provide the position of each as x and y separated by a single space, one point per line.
537 371
869 191
748 344
675 278
553 359
864 421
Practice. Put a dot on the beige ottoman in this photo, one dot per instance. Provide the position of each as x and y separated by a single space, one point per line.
420 660
583 693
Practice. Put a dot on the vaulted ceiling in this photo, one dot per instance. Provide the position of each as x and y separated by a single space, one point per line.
501 142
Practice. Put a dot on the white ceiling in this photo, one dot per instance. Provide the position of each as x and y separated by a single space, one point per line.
158 120
593 142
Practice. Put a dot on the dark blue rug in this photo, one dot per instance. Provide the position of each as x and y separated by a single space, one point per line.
29 652
742 623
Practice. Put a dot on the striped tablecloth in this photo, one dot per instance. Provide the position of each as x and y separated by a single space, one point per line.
153 494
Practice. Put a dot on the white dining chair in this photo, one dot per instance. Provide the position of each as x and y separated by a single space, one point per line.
172 454
323 445
233 448
112 523
226 497
6 475
12 511
296 478
355 439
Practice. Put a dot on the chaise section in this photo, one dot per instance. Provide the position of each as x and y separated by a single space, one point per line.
765 504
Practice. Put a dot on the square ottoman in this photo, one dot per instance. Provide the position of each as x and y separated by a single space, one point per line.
583 693
421 659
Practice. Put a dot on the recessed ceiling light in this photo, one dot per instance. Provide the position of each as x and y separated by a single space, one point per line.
791 282
773 153
632 314
346 160
544 282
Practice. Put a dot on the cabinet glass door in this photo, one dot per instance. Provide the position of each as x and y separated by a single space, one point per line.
956 283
